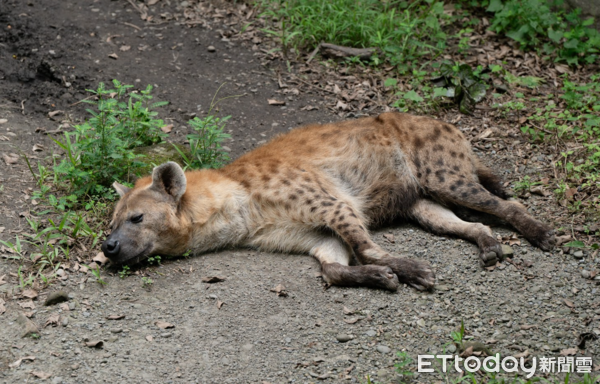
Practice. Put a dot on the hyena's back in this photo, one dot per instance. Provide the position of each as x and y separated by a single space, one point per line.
383 164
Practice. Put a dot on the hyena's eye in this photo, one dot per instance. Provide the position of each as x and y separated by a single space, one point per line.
137 218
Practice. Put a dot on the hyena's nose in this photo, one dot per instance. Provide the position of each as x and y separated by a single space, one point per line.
111 247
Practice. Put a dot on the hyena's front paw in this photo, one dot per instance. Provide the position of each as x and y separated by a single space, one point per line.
380 276
417 273
542 237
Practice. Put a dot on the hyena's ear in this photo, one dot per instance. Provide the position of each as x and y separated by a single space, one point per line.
169 178
121 189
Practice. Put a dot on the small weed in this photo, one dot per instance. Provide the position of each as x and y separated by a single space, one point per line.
15 248
96 273
205 144
147 282
524 185
402 366
154 260
24 281
124 272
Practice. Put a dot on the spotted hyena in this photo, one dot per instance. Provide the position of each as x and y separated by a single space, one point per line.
317 190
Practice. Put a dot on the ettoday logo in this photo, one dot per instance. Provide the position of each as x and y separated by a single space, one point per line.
507 364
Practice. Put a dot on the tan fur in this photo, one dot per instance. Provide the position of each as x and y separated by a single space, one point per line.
316 190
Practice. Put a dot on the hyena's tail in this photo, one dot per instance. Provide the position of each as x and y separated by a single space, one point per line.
490 181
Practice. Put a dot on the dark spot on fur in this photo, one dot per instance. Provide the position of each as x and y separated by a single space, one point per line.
245 183
474 191
266 178
456 168
308 201
440 162
342 226
438 148
417 162
293 197
428 171
452 153
440 175
341 217
326 204
333 220
490 203
419 175
447 128
453 188
461 155
353 215
287 206
313 209
286 182
418 142
300 191
337 212
464 195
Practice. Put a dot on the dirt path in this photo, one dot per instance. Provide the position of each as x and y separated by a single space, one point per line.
238 331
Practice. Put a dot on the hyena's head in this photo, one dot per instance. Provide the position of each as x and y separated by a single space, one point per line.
145 221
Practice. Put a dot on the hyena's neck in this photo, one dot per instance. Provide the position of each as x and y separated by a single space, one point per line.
216 211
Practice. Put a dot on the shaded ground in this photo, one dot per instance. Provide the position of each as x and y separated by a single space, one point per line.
51 51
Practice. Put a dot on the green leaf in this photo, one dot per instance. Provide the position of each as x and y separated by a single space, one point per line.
588 22
413 96
555 35
575 244
572 44
390 82
477 92
495 6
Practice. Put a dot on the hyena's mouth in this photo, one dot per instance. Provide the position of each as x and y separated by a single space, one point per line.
137 258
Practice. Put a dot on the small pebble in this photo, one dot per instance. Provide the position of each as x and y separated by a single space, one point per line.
585 274
383 349
342 338
211 48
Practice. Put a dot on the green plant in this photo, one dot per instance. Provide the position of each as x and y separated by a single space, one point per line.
402 31
524 185
15 248
147 282
205 144
403 363
124 272
462 83
154 260
458 336
24 281
96 273
99 150
533 24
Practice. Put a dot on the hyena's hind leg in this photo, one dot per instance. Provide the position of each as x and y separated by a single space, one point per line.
334 257
464 191
442 221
